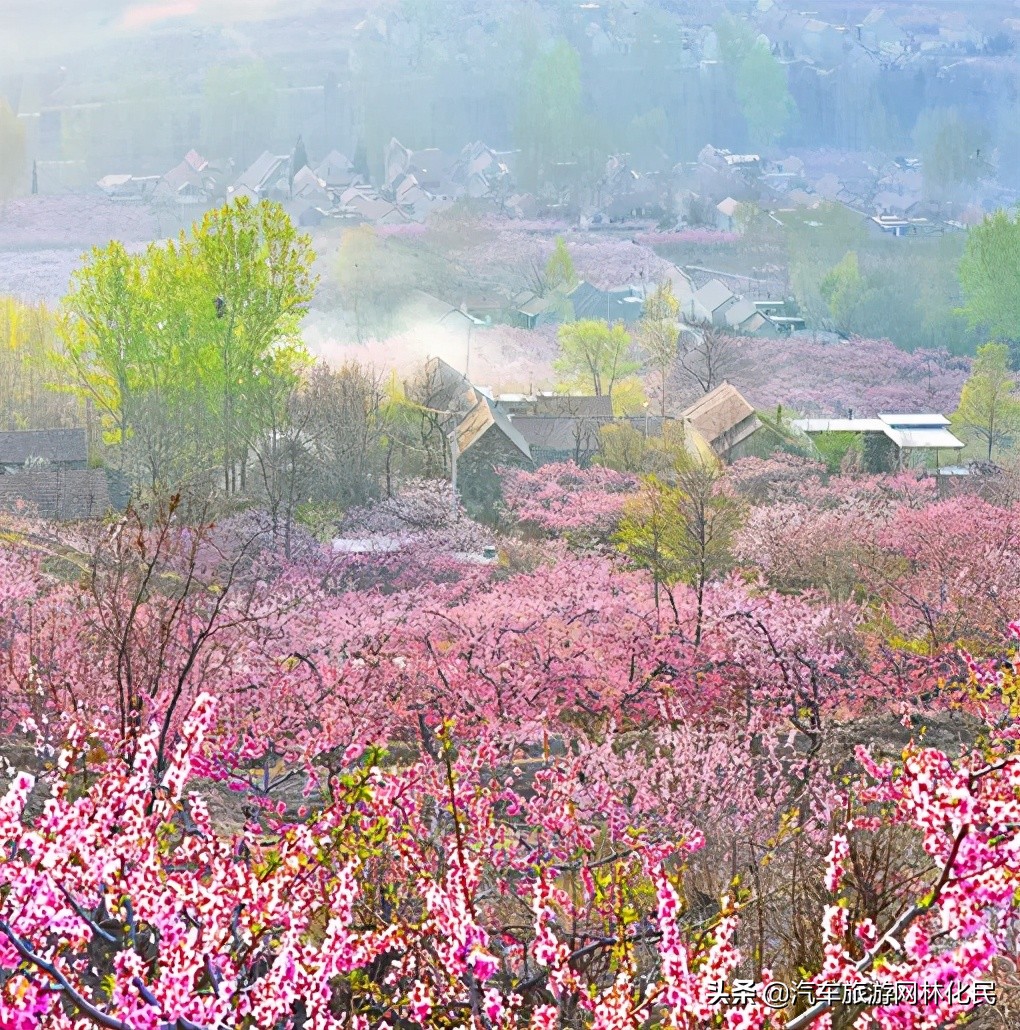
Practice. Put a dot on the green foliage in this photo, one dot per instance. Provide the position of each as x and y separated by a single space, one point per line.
681 529
629 397
552 128
844 290
989 409
950 145
198 335
760 81
594 355
110 355
658 332
764 95
559 269
12 152
736 40
28 344
833 448
622 447
816 240
906 290
990 276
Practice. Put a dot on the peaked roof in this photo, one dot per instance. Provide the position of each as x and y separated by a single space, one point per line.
613 305
741 312
454 392
265 167
187 173
482 418
478 413
308 185
716 415
336 170
713 295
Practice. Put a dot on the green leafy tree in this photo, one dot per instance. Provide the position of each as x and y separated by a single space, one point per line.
990 277
629 397
12 152
248 280
833 448
204 328
29 397
658 332
764 95
736 40
112 355
816 240
682 530
551 126
594 354
950 145
559 269
989 408
845 291
759 80
622 447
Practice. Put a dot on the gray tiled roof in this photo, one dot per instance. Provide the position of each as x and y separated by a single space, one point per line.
572 406
57 445
605 305
563 434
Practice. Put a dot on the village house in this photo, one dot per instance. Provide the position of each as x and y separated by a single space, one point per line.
710 303
45 473
431 167
624 193
726 211
128 188
412 200
192 182
481 435
359 204
531 310
336 171
890 442
479 171
310 201
717 305
722 423
266 178
620 304
559 427
308 188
